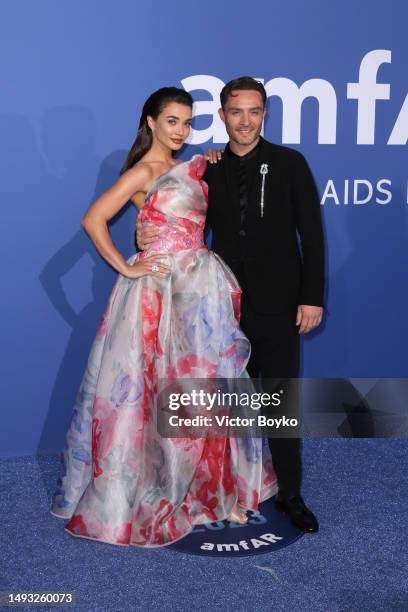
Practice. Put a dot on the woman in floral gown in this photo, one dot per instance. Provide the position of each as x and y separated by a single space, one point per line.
173 313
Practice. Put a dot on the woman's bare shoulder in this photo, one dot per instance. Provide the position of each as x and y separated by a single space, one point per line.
140 171
139 177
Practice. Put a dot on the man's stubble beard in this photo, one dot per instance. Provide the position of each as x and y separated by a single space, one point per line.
247 143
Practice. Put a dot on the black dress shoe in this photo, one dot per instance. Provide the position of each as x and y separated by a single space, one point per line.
299 513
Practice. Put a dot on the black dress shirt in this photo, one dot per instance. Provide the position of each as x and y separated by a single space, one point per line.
241 169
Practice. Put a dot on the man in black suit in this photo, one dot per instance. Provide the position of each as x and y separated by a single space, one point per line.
262 199
262 202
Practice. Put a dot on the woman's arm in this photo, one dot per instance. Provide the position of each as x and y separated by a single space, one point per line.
95 221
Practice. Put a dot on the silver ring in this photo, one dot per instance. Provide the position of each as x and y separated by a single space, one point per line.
155 268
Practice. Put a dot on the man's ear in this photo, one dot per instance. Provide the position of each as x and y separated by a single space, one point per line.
221 114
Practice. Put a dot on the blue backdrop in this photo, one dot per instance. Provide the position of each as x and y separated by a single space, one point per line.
74 77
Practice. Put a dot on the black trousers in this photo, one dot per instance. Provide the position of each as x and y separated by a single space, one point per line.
275 357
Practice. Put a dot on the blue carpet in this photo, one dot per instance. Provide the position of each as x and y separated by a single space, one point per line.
357 561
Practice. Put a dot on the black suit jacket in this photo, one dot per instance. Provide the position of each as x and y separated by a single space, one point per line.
275 274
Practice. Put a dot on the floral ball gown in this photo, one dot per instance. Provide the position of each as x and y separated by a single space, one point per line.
120 481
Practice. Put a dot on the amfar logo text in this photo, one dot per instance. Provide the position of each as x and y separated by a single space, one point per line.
366 91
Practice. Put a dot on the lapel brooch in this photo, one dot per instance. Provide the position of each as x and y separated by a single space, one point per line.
264 172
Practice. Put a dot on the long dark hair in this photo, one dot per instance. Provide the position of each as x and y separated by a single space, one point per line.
152 108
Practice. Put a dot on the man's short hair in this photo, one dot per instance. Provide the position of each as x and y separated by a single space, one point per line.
244 83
